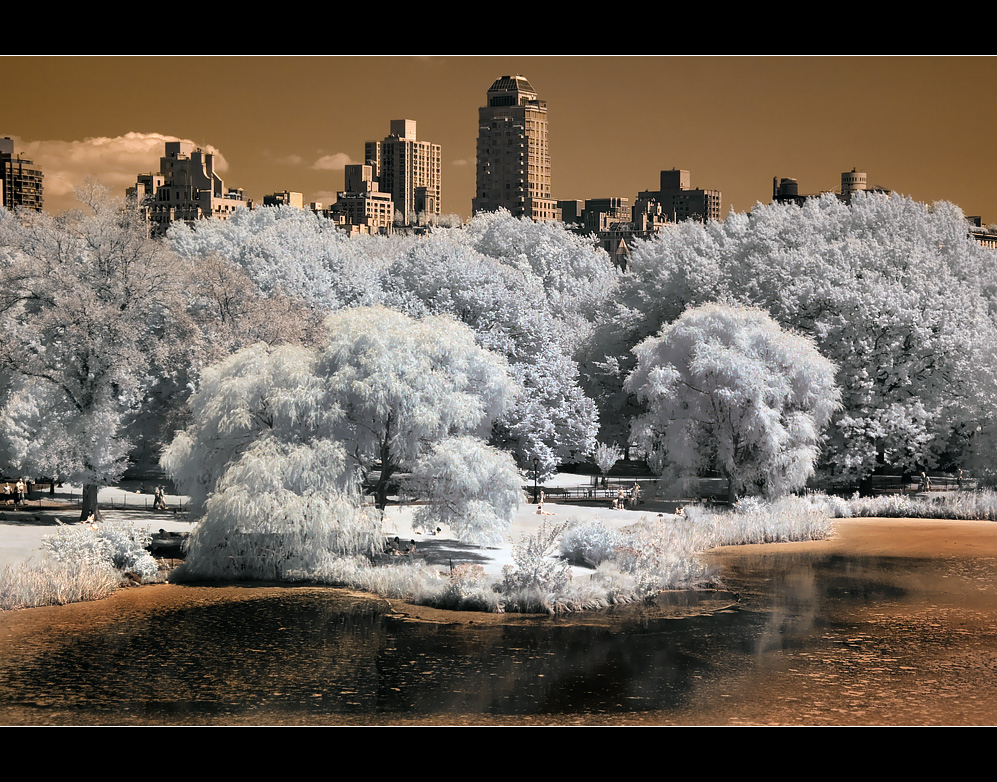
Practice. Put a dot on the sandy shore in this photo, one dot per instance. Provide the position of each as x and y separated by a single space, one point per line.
920 538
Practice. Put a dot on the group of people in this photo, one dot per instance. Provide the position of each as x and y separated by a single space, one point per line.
18 493
396 548
625 499
159 503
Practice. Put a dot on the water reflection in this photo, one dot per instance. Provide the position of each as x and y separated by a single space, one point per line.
316 655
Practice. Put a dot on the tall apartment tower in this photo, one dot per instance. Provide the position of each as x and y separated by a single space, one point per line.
20 179
408 169
513 156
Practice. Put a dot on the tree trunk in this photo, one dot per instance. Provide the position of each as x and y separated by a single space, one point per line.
90 502
865 486
381 489
381 495
731 489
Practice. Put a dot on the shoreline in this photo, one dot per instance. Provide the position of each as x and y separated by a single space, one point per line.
848 678
867 536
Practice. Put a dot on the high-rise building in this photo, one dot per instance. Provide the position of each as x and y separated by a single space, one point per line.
409 170
513 156
186 188
679 201
21 180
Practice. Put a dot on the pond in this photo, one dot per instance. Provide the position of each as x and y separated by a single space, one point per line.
801 637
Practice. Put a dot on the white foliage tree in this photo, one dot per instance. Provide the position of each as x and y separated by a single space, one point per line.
575 276
526 290
404 384
606 457
88 306
680 267
893 291
474 489
278 512
266 472
258 393
282 437
288 252
727 389
507 309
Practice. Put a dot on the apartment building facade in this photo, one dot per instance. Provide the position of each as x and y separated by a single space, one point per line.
513 156
409 171
21 183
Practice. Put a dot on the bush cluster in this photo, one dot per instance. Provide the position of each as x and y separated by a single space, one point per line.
83 563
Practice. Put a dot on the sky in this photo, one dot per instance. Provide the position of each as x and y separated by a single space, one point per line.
920 126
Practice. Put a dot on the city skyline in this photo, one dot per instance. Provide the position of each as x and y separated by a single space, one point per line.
916 125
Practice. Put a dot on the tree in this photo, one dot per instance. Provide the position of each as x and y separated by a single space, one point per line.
575 277
283 438
680 267
474 489
405 384
87 303
726 388
893 291
606 456
506 308
259 393
527 294
266 474
289 252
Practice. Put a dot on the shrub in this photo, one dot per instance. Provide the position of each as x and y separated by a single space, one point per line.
122 545
538 581
966 505
588 543
29 585
469 589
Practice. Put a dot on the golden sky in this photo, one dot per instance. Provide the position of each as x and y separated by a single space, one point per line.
921 126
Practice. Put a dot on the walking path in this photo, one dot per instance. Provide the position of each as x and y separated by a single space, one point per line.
22 530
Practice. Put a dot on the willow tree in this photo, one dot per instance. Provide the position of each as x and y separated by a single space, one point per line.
284 439
405 384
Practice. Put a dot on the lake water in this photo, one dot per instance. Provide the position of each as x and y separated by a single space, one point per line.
807 639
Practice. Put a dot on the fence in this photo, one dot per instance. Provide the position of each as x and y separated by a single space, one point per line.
899 484
714 488
41 499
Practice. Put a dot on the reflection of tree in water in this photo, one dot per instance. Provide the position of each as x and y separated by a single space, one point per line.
799 592
299 651
634 659
808 630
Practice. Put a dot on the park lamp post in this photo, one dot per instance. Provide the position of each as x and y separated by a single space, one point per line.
536 477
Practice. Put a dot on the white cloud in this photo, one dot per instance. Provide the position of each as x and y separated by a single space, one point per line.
335 162
460 162
291 160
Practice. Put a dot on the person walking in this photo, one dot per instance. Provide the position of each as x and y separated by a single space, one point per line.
160 502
